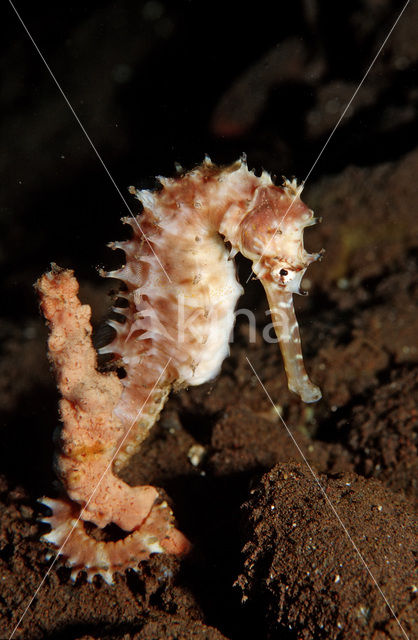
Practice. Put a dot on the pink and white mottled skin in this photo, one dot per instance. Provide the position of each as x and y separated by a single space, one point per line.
181 292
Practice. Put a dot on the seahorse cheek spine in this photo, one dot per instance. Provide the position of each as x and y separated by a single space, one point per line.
181 291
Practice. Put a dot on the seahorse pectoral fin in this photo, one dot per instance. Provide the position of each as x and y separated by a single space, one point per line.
287 331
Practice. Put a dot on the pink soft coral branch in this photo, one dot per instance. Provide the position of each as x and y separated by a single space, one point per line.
91 438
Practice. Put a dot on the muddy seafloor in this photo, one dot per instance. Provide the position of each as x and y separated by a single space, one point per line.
154 84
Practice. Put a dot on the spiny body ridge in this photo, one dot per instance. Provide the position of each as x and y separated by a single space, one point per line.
181 292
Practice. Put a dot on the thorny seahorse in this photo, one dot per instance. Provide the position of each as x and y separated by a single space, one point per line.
181 292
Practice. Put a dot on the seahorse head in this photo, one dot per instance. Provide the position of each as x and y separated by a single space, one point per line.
271 235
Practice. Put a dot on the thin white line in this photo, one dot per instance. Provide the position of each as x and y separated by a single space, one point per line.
87 136
324 493
334 129
87 503
357 90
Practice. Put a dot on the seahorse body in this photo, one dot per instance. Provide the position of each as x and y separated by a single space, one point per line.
181 292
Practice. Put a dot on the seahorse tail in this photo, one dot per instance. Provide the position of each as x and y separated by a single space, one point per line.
82 552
